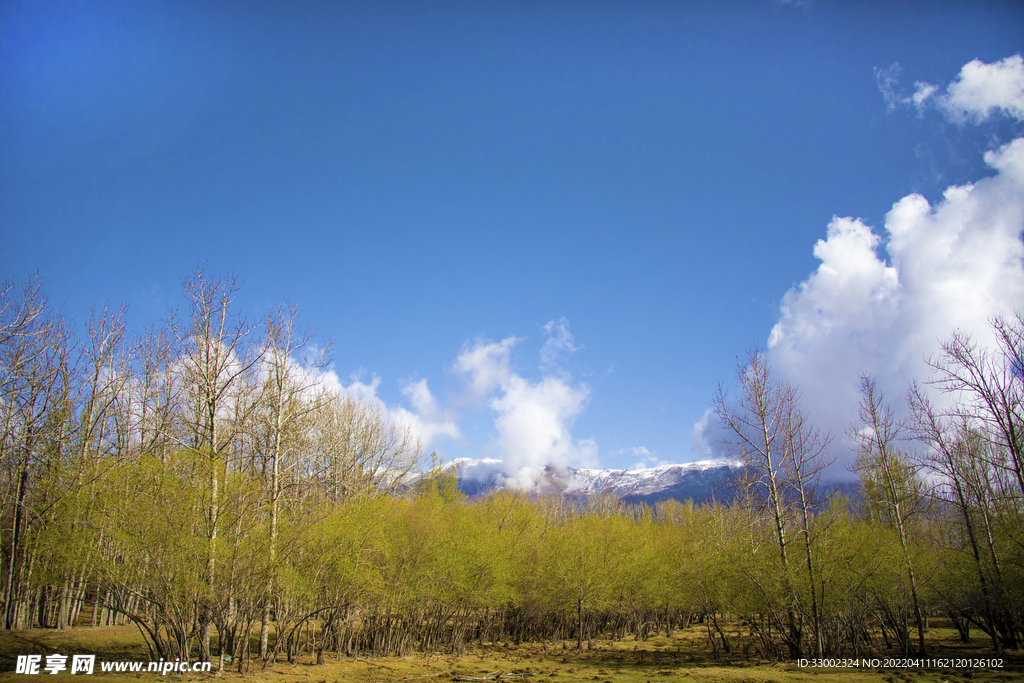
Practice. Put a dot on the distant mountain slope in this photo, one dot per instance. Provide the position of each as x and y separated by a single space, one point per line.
700 482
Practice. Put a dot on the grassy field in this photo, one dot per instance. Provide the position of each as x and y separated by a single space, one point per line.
685 656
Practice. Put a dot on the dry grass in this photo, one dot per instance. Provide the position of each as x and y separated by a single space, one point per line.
682 657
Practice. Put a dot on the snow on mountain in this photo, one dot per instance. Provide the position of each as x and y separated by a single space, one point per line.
663 482
698 481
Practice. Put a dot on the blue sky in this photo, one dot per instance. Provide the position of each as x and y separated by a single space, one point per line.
568 218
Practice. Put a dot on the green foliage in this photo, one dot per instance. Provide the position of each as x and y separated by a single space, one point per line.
193 482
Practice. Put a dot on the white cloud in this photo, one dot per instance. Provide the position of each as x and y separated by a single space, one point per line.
953 266
950 266
426 430
889 85
533 424
419 394
888 80
802 4
980 90
852 290
645 458
708 437
559 342
533 419
983 88
634 451
922 91
356 388
486 363
426 421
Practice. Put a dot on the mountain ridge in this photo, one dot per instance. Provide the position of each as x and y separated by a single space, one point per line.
702 482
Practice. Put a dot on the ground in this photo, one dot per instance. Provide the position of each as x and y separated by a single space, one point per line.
684 657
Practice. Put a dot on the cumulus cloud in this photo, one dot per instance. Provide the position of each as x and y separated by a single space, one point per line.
851 291
881 302
951 266
982 89
978 92
533 419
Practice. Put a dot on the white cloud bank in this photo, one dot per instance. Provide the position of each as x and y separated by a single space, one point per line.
533 418
950 266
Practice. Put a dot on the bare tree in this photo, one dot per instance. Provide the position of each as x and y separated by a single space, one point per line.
989 385
758 424
358 450
156 395
37 407
215 363
21 326
292 373
889 478
17 317
101 434
106 378
806 458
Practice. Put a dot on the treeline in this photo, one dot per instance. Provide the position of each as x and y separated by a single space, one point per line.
200 480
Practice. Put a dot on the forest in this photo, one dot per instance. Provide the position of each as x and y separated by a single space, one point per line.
199 481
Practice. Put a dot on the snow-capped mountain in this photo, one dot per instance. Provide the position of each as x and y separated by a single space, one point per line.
700 482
